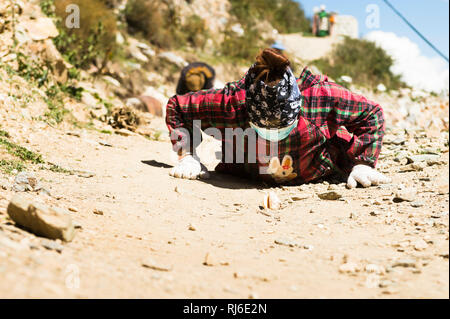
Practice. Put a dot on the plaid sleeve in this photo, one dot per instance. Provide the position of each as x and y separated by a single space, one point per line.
214 108
364 120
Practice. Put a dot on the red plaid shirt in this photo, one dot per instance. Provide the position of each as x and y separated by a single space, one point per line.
336 129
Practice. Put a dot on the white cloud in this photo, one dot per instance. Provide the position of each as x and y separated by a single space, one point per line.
417 70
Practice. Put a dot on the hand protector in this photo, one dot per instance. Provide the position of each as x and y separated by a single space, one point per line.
189 167
366 176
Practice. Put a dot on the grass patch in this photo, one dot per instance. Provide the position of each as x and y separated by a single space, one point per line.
8 166
367 64
21 152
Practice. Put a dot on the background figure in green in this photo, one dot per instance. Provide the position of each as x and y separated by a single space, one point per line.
324 22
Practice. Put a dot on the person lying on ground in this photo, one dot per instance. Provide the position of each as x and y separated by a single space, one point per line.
194 77
312 127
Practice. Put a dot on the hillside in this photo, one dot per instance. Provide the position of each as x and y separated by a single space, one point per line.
70 138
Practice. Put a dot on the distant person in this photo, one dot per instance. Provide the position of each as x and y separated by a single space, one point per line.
319 128
324 22
332 22
194 77
315 21
278 46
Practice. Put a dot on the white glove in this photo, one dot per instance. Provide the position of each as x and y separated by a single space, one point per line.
189 167
366 176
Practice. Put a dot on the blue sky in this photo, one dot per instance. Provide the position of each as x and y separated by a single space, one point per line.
430 17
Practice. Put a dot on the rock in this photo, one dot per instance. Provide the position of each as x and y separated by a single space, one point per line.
103 143
417 204
124 132
353 215
150 263
98 212
52 245
420 244
25 181
192 227
152 105
300 197
413 167
286 242
271 201
406 262
381 87
85 174
210 260
422 158
73 209
53 223
173 58
407 194
332 195
349 267
135 103
41 28
443 188
377 269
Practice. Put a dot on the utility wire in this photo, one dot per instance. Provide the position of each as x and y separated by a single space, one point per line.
415 30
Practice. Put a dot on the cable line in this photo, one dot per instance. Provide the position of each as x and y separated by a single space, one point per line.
415 30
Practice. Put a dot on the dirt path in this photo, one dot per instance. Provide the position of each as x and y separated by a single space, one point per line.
308 48
147 214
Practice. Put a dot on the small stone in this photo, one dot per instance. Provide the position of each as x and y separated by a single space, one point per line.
406 262
85 174
407 194
103 143
349 267
420 245
192 227
417 204
285 242
353 215
52 245
73 209
76 134
97 211
422 158
53 223
332 195
271 201
150 263
385 283
377 269
300 197
253 295
25 181
210 260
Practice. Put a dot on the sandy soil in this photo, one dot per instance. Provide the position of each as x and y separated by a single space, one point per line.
362 246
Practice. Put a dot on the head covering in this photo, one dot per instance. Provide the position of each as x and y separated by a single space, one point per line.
195 81
272 106
322 7
278 45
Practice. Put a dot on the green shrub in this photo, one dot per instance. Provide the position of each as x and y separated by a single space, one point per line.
94 41
367 64
287 16
155 21
160 24
243 48
195 31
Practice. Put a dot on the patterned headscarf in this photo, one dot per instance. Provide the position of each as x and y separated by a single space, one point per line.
272 106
